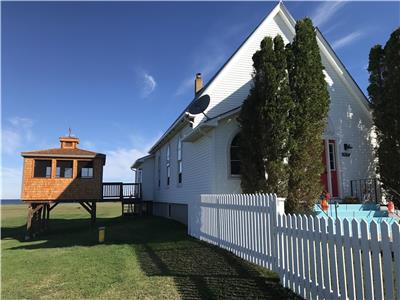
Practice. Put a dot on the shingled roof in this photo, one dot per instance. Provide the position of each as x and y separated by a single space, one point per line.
59 152
68 149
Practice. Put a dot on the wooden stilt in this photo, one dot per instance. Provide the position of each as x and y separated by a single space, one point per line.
48 216
29 222
93 212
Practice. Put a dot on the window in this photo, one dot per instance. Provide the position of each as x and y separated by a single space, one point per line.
85 169
159 170
332 156
168 164
42 168
168 173
64 169
180 160
235 156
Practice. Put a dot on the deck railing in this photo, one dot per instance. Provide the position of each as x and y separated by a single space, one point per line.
121 191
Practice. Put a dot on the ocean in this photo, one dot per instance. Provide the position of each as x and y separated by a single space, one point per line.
10 201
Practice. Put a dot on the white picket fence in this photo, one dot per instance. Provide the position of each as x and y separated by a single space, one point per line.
317 258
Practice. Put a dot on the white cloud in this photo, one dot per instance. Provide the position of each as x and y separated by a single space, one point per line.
119 161
325 11
10 183
149 84
15 133
347 40
21 122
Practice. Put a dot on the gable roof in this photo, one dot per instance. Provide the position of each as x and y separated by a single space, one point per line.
63 152
291 22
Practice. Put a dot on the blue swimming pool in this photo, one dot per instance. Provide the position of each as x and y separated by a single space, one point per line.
367 212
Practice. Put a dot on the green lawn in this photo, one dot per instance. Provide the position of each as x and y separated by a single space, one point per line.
142 258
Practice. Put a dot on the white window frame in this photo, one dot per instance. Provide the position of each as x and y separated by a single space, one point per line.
168 165
229 157
179 161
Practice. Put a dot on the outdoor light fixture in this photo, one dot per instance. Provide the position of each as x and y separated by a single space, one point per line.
347 147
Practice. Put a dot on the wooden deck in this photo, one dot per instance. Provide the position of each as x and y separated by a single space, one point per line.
129 194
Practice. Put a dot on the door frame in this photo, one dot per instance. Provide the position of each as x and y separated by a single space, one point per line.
337 165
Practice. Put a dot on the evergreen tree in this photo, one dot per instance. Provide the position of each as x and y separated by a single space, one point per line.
311 105
263 120
277 105
251 168
384 91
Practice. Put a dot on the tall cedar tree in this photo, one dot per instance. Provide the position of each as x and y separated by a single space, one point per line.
276 123
311 98
263 120
384 91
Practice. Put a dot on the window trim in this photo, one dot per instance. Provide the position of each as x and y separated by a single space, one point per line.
230 140
332 144
72 169
44 177
168 166
179 162
79 175
159 171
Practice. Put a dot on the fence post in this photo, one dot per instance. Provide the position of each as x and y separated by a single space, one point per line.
274 236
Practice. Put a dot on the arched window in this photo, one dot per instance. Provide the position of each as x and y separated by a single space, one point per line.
235 156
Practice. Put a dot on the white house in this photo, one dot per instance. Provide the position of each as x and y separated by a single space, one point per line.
193 156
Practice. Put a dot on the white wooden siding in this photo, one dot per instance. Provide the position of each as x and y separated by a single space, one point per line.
148 179
197 159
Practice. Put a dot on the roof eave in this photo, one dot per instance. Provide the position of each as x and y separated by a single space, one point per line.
97 155
140 160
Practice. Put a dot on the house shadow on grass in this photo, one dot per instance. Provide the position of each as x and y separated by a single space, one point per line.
203 271
163 249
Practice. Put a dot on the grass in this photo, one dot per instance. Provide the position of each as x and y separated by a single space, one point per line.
142 258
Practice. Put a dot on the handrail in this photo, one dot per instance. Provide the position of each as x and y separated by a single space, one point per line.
120 190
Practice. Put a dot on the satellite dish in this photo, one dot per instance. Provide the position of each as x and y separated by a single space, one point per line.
199 106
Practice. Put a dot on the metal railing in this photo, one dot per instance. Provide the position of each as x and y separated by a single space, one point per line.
366 190
121 191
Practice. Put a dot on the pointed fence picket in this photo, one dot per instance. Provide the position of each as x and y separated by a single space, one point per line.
315 257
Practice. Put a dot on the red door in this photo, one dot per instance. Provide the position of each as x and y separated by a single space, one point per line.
332 163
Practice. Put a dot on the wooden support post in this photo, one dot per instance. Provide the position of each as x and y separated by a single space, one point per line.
29 222
93 213
48 216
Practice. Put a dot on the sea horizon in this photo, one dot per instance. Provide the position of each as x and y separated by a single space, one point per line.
10 201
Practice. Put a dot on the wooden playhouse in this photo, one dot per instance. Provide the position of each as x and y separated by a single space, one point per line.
60 175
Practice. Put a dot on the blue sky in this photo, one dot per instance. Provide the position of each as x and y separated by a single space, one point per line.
119 73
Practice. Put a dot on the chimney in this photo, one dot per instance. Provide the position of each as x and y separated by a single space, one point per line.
198 83
68 142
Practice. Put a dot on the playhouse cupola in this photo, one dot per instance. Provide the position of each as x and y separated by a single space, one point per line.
69 142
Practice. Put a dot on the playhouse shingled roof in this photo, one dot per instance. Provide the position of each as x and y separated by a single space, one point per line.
59 152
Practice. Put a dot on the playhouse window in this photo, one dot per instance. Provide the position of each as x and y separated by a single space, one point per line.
64 169
42 168
85 169
235 156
